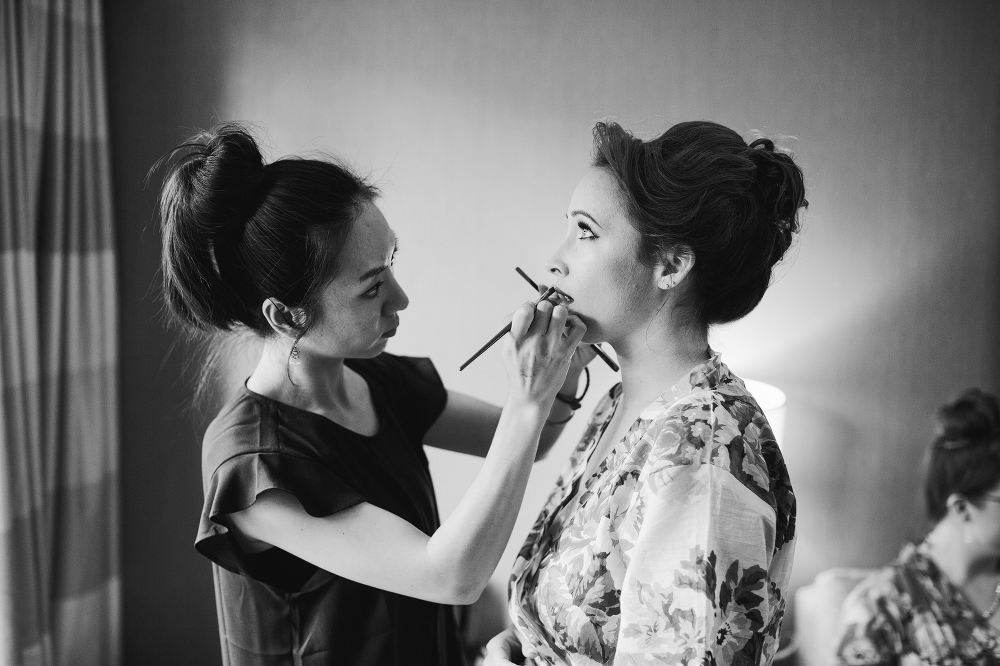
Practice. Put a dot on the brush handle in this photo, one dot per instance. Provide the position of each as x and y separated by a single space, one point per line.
504 331
597 348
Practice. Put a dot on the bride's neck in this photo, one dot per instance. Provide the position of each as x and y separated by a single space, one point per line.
649 363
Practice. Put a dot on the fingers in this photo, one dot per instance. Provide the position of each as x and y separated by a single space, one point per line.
552 321
501 648
543 317
583 355
521 321
531 319
557 324
575 329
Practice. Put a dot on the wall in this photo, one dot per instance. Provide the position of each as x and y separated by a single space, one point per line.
164 68
475 120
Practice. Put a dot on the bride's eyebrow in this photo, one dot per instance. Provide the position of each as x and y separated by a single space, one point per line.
586 215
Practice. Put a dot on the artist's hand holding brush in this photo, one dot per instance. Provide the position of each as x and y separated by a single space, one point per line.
542 351
568 402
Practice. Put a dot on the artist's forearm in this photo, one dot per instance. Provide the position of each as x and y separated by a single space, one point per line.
559 416
470 542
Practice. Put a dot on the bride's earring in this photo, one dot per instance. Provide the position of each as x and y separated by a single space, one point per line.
293 357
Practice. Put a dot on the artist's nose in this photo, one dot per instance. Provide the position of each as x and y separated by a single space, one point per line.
398 300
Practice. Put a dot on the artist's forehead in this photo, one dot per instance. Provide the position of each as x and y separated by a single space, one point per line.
369 243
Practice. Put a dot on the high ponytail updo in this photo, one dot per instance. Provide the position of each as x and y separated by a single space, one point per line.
700 188
964 457
237 231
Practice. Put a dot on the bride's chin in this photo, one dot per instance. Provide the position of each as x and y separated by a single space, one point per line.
593 336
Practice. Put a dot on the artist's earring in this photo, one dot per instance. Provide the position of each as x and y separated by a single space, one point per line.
293 357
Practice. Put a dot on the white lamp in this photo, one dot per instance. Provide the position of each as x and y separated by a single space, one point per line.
772 400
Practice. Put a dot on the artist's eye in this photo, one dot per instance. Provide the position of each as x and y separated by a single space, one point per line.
374 291
586 233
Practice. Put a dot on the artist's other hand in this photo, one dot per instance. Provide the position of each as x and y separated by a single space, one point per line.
539 350
504 649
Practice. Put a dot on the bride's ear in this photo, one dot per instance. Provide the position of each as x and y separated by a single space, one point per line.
675 264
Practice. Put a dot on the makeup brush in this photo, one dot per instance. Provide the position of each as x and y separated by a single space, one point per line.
504 331
597 348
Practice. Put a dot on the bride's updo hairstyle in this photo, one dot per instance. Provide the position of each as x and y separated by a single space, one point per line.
237 231
700 188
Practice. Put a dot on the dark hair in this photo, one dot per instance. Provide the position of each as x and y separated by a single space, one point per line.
237 231
699 187
965 454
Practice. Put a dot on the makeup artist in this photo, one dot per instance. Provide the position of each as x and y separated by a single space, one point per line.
319 512
669 536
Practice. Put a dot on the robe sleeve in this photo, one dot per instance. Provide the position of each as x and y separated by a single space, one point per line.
697 587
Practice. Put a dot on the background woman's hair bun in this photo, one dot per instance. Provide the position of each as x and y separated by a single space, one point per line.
964 457
972 419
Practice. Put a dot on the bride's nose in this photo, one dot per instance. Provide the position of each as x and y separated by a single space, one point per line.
555 265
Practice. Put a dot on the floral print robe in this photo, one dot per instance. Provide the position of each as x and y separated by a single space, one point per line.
911 613
677 550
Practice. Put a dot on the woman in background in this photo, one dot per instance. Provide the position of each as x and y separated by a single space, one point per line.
669 535
319 511
938 602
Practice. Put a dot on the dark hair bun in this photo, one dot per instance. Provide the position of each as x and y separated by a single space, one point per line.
965 452
237 231
206 200
700 186
972 419
231 176
780 192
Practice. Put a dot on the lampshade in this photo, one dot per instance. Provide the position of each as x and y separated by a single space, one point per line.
772 400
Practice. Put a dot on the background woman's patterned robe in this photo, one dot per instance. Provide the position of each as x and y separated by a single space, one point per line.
911 613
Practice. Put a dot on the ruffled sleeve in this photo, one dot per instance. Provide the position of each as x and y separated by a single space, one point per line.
250 464
415 392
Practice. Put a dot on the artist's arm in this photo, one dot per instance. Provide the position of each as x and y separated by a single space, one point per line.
375 547
467 424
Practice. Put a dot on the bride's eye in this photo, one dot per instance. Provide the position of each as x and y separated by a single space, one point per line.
586 233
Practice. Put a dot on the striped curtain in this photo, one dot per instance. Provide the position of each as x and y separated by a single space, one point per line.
59 515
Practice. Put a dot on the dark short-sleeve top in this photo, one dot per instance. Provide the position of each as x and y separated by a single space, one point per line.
277 609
